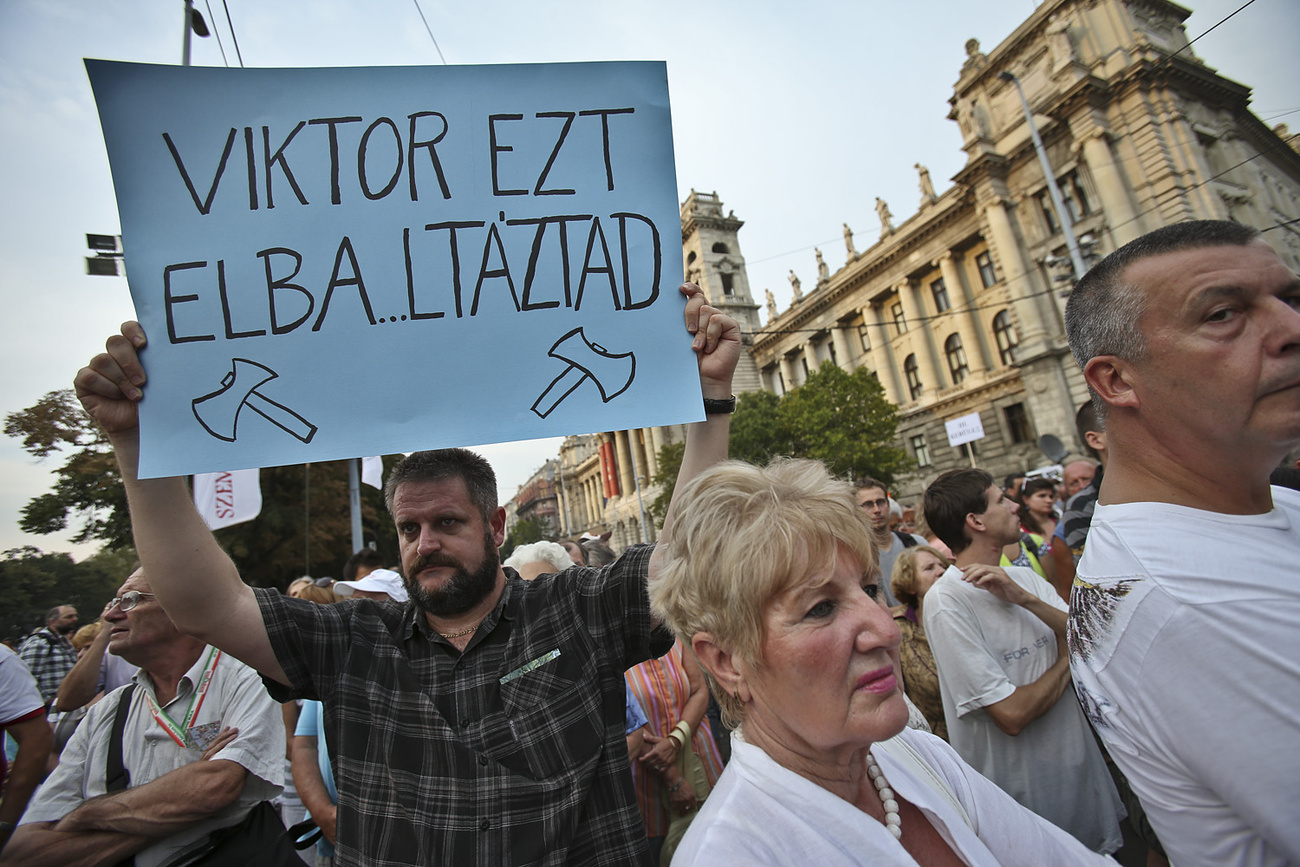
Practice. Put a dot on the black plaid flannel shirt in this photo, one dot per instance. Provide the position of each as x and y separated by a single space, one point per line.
439 762
49 656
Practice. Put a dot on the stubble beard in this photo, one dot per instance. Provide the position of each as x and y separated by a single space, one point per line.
463 591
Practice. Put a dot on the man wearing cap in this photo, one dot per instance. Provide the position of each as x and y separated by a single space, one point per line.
380 584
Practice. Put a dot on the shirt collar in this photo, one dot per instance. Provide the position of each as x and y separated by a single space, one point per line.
185 686
503 610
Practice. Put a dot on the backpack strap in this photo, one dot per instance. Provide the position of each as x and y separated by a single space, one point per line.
116 776
906 539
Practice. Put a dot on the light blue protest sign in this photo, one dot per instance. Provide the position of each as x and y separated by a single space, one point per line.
332 263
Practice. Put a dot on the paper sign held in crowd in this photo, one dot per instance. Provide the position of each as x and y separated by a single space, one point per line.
331 263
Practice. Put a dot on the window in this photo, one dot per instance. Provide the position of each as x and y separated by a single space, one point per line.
913 376
900 323
726 284
835 360
864 334
1005 335
940 292
967 450
720 248
1073 196
1044 200
1018 423
920 450
985 263
1076 198
803 359
690 257
952 350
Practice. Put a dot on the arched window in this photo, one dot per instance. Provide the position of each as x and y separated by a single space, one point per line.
1005 335
913 376
720 248
956 356
690 257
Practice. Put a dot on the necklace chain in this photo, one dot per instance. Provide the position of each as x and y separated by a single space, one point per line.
887 799
462 632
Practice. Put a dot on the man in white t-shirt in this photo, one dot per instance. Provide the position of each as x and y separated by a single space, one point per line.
998 638
1183 622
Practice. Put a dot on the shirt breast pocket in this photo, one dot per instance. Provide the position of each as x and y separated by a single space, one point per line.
552 722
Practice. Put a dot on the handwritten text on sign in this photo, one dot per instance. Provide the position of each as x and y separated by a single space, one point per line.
341 262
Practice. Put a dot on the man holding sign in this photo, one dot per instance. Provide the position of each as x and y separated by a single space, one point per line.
482 723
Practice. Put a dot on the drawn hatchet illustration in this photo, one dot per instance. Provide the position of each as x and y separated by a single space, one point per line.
612 372
218 412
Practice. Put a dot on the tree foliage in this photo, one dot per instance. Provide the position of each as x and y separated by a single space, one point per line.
33 582
297 502
842 419
88 487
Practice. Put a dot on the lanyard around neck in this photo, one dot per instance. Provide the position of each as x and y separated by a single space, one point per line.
179 732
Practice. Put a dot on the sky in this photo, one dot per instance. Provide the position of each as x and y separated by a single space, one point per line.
797 117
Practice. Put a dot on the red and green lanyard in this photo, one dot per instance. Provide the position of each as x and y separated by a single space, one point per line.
180 733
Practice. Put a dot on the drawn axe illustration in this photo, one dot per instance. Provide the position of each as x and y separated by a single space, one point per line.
218 412
612 372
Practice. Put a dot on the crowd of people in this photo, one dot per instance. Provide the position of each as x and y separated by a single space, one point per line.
798 671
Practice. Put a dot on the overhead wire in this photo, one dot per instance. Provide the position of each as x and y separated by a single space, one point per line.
225 61
429 30
233 37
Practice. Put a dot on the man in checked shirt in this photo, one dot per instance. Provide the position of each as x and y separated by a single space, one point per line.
483 722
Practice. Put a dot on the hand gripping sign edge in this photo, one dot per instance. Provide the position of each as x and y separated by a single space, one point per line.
586 360
218 411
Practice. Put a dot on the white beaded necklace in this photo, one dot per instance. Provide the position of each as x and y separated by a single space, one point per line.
892 821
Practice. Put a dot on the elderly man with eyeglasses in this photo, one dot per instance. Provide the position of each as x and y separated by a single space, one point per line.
201 743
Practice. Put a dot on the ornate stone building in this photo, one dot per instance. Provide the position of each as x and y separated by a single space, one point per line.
958 309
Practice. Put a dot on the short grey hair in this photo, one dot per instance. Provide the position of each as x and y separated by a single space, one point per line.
552 553
1102 315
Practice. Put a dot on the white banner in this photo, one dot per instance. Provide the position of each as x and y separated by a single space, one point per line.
228 498
372 472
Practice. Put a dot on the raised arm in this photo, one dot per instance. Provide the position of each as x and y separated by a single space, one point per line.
196 582
82 682
716 342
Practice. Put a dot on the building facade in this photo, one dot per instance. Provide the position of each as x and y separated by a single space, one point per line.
958 309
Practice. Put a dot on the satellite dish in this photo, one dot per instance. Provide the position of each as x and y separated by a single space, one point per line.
1052 447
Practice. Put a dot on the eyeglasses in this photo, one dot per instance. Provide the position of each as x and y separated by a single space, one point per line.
128 600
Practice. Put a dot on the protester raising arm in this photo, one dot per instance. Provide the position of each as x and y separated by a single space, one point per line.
194 579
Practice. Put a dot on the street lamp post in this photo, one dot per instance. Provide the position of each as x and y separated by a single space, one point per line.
1067 224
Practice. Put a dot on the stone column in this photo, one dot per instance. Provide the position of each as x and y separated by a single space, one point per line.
882 358
623 454
1113 191
654 442
919 328
841 343
1033 331
967 321
810 356
787 374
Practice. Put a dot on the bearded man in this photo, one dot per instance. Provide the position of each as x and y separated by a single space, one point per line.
483 722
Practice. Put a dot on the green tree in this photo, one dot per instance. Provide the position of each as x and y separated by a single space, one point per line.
269 551
841 419
33 582
88 487
845 421
670 463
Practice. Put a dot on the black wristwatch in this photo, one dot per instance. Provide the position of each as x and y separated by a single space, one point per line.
719 407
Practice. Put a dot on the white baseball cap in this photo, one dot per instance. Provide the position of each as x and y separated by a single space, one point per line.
378 581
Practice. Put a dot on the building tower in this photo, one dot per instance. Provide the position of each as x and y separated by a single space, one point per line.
711 259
